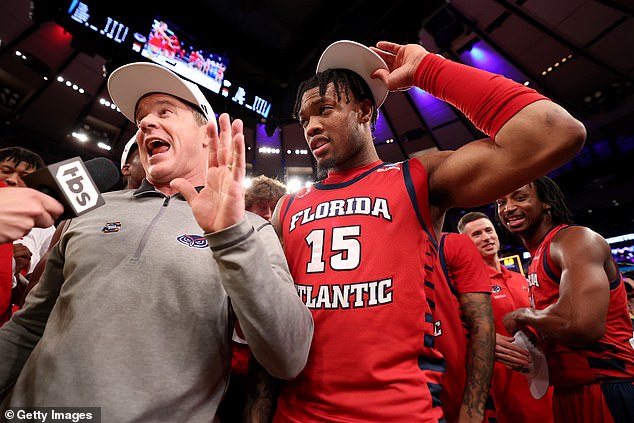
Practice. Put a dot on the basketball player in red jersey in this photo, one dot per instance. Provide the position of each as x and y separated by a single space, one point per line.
464 330
579 307
361 244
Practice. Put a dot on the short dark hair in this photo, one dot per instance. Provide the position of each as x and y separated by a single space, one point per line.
549 192
471 217
345 81
19 154
263 188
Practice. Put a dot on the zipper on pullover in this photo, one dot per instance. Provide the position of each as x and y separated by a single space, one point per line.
148 230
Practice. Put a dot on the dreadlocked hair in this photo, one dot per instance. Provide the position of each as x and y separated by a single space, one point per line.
548 192
345 81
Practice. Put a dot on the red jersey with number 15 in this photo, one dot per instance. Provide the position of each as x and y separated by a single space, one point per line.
611 358
359 250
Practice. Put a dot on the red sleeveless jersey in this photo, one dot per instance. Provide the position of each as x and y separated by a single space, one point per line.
360 250
461 271
611 358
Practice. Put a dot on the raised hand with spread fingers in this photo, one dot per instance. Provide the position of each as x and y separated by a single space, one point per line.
220 203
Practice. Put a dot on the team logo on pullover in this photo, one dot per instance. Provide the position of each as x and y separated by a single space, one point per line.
193 241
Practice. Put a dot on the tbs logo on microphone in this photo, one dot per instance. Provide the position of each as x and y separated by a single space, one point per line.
70 183
78 186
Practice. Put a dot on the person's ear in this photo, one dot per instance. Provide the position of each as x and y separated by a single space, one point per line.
125 170
208 129
365 111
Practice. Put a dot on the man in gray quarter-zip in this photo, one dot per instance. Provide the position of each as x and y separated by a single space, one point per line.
135 310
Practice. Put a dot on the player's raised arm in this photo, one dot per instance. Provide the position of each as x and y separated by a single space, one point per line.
529 134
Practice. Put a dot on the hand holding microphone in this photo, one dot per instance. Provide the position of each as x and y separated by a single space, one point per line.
75 184
58 191
21 209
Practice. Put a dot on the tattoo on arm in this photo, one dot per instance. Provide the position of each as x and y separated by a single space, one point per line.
262 392
478 317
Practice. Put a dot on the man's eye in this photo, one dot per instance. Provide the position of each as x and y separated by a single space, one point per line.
323 109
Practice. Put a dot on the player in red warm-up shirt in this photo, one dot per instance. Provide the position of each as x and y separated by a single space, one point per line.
514 402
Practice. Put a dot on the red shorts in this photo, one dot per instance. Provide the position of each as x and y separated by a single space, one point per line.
596 403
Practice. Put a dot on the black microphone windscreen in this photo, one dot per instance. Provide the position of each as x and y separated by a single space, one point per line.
104 173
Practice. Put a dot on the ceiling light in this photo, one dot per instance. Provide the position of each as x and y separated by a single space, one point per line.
70 84
556 65
268 150
80 136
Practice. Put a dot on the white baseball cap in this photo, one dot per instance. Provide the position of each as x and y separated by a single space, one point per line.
129 147
129 83
346 54
537 373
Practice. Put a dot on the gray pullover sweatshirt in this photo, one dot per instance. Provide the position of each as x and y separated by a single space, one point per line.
132 313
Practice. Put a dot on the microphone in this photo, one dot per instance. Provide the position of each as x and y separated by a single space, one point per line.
104 173
75 184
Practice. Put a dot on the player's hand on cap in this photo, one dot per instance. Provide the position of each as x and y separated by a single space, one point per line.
220 203
21 209
509 320
402 62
